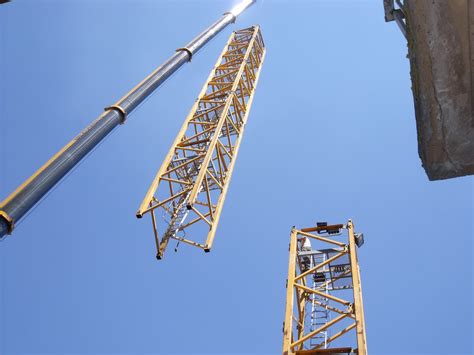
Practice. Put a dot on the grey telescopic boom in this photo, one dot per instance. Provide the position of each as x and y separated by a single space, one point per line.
30 192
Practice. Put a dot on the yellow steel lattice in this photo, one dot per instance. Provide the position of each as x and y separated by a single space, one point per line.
190 187
324 309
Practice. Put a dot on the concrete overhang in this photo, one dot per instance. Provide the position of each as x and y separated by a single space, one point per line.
440 36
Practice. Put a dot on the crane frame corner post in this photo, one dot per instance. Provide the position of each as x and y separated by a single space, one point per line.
191 185
321 265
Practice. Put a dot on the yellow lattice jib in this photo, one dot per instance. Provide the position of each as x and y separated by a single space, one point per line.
186 197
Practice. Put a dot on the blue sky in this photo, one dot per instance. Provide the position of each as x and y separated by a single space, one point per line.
331 136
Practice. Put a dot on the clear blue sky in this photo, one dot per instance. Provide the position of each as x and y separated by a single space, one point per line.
331 136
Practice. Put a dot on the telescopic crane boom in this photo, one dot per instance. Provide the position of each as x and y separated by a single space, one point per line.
15 206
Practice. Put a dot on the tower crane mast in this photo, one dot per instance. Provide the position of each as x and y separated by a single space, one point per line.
324 310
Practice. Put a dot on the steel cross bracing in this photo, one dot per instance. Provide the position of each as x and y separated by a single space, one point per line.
190 187
27 195
324 296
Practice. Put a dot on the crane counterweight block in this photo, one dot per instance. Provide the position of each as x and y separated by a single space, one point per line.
190 187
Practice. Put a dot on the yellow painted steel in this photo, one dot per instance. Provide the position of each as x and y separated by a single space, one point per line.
288 323
9 219
358 305
191 184
302 334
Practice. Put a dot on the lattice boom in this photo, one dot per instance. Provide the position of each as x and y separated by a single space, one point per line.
192 183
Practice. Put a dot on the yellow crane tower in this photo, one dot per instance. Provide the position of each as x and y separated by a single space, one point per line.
190 187
324 294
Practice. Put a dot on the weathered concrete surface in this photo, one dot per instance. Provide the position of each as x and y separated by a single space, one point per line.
440 38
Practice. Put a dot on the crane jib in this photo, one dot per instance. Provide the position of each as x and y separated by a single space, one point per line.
15 206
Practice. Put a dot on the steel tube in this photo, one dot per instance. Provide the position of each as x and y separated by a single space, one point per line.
3 227
15 206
